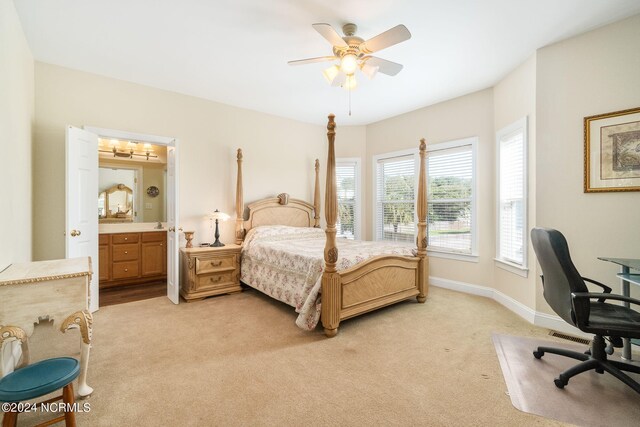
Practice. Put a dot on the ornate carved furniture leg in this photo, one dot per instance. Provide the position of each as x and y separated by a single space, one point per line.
239 202
10 333
84 321
421 240
331 294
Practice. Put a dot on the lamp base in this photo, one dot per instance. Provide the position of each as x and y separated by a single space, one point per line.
217 242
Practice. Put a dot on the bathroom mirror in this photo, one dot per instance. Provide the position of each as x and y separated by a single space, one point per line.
131 192
117 204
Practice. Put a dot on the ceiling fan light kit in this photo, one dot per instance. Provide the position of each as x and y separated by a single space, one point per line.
353 53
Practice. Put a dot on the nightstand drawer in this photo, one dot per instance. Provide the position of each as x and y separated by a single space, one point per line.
207 281
124 238
210 265
209 271
123 270
128 252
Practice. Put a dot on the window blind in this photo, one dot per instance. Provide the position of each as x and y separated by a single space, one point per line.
395 198
511 195
347 190
450 199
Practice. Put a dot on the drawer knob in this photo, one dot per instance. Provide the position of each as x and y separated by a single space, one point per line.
126 252
216 263
216 279
126 238
126 269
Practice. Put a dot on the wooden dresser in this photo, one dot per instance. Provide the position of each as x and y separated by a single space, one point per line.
209 271
132 258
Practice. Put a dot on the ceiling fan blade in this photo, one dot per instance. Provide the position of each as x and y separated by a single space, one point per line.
340 79
312 60
387 67
329 33
390 37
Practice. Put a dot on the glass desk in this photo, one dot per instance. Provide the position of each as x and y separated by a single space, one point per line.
627 278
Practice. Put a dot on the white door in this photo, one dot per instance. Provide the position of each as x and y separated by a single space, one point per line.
173 268
81 232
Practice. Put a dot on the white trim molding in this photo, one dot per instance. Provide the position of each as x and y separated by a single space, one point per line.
532 316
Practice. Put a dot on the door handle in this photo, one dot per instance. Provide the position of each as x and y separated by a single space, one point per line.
172 229
75 233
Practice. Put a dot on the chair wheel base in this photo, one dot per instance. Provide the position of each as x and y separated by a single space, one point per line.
559 382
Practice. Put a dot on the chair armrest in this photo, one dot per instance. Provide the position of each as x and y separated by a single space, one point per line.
590 295
607 289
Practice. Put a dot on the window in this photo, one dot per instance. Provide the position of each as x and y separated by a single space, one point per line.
395 176
451 214
348 189
512 194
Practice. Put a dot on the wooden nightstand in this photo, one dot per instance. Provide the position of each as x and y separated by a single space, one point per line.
209 271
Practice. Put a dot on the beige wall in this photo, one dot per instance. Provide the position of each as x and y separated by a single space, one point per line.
16 119
278 153
597 72
466 116
514 97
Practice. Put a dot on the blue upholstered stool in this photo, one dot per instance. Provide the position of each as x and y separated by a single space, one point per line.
37 380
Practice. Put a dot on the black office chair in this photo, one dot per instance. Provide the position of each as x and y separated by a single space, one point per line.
567 294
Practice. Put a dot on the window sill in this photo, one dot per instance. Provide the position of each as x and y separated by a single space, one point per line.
512 268
451 255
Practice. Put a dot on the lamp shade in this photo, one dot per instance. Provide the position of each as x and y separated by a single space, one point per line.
221 216
331 73
350 83
349 64
369 70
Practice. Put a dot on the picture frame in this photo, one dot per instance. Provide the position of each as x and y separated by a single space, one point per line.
612 151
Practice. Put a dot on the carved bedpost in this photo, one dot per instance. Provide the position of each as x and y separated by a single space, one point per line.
239 202
331 295
421 240
316 198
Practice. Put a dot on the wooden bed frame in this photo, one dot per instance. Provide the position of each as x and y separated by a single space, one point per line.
375 283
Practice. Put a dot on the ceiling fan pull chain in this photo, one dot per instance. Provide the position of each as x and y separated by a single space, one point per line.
349 102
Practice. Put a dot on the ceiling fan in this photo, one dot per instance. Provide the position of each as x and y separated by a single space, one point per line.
354 52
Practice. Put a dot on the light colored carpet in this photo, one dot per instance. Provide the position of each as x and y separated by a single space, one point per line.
240 360
590 399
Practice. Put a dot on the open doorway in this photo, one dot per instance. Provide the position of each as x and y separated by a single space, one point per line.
133 240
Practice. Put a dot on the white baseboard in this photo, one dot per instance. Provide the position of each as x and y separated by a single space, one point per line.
532 316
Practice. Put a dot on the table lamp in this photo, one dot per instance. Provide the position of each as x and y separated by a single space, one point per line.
218 216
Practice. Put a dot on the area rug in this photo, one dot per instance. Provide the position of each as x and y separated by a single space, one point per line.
590 399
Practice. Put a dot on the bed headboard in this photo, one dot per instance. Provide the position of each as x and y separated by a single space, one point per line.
280 210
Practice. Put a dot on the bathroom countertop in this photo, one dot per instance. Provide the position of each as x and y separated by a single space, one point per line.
130 228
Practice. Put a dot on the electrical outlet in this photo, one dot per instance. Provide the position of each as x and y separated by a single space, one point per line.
148 206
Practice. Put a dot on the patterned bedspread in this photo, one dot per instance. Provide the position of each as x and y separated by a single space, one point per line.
286 263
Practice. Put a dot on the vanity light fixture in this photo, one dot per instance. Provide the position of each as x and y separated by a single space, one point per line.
130 151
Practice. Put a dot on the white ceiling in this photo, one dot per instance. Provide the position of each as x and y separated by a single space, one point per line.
236 51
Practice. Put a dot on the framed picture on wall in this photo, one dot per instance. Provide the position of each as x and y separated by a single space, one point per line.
612 151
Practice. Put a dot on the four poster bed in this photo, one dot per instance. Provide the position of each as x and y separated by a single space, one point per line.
282 246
